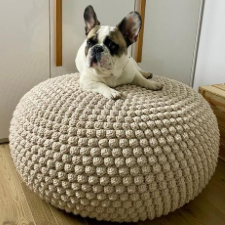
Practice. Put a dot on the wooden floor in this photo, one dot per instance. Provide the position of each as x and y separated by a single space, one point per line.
18 205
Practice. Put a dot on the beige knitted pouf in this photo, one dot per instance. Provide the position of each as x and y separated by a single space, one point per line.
139 157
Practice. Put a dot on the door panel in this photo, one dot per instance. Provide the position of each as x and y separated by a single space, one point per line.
108 13
24 52
170 37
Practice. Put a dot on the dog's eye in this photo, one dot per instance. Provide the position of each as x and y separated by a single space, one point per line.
91 42
112 45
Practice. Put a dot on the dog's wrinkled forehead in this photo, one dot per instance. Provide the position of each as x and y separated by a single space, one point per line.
113 33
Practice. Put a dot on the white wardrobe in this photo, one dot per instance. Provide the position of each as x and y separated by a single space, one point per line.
24 53
27 41
27 44
170 38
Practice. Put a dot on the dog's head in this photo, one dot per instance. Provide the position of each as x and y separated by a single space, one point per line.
105 44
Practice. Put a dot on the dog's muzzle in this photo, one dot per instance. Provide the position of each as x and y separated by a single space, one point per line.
99 55
96 54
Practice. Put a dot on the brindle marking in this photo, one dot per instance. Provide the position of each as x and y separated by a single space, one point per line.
93 37
118 38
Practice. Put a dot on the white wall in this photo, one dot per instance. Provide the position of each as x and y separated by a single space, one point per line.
211 57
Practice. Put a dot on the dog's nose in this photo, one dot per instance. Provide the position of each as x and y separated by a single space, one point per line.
98 49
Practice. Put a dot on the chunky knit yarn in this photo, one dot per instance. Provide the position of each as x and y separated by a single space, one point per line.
139 157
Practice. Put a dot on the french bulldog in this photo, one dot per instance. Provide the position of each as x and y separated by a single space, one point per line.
103 60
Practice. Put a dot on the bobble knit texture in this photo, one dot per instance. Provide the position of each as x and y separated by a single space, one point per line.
139 157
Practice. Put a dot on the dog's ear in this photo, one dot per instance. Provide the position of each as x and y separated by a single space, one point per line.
90 19
130 27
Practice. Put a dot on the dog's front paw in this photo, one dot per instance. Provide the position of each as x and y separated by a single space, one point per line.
113 94
154 85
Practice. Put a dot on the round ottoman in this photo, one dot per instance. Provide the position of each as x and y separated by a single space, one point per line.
139 157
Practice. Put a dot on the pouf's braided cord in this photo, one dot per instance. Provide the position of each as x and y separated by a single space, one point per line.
139 157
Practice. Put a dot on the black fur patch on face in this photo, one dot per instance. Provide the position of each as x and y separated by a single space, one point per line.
90 43
112 46
117 37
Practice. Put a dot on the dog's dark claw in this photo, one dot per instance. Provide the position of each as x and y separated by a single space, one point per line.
150 76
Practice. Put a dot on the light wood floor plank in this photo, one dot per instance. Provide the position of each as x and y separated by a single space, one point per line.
213 192
14 209
44 213
40 209
66 218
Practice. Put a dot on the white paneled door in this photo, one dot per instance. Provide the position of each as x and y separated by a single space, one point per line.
108 13
24 52
170 38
